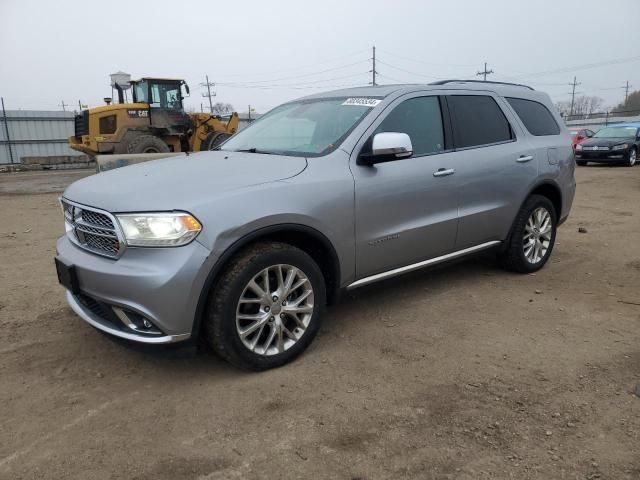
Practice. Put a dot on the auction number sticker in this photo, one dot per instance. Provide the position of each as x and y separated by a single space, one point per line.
362 102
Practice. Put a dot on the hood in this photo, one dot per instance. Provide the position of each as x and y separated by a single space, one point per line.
179 183
605 142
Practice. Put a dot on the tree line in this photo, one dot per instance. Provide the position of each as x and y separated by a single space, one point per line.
585 106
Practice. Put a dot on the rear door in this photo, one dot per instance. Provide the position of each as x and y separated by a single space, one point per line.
495 165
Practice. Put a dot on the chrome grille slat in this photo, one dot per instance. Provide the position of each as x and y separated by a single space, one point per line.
92 229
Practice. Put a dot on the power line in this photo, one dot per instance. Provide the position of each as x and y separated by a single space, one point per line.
392 78
427 63
247 85
407 71
300 76
580 67
300 67
64 106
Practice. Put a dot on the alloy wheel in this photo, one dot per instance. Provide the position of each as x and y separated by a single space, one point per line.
537 237
632 157
274 309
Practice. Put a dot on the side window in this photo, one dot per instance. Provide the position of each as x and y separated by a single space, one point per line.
478 120
421 119
535 116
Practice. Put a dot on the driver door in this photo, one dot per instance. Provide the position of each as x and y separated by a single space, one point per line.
404 213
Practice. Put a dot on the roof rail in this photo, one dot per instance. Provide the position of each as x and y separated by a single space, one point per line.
444 82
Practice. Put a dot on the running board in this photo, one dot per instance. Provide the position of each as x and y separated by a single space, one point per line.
419 265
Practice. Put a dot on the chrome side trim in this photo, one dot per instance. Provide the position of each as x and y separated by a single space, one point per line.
94 321
419 265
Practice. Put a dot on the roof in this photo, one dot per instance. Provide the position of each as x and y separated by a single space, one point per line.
382 91
158 78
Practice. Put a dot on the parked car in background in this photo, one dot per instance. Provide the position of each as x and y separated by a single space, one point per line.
578 135
244 246
615 144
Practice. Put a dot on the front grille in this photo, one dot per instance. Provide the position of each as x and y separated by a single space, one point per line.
96 218
81 123
92 230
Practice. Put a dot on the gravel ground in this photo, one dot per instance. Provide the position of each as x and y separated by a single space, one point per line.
464 372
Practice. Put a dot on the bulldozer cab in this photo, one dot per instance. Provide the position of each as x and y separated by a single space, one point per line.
164 97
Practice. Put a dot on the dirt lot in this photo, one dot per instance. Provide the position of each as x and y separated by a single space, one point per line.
463 372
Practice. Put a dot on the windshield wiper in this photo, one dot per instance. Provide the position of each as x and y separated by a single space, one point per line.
254 150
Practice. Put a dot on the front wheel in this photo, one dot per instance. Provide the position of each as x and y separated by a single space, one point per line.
631 158
265 310
532 237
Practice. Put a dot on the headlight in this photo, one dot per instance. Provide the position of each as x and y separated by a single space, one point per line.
578 147
158 229
624 146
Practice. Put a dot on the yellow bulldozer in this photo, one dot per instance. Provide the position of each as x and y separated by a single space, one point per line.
154 123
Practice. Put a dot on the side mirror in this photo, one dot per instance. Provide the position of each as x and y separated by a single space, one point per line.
387 147
186 88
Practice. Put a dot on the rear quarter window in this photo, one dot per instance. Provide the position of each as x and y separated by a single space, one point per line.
537 118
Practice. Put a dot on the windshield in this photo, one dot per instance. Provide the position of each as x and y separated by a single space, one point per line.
617 132
305 128
140 92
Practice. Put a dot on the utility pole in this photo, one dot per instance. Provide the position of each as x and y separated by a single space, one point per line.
626 92
209 93
64 105
249 113
484 73
573 95
79 106
373 70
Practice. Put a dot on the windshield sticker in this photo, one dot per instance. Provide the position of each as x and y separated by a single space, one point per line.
362 102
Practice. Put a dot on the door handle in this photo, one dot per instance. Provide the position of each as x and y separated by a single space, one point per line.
443 172
524 158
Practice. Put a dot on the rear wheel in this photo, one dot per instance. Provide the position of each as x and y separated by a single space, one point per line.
213 139
146 144
265 309
532 237
632 157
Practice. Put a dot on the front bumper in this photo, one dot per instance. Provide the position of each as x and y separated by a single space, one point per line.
602 157
161 285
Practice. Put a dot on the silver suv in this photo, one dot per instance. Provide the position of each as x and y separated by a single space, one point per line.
244 246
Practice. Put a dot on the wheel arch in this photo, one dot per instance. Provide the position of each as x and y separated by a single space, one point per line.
551 191
306 238
547 189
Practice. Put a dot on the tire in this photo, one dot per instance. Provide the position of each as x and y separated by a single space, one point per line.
632 158
581 163
146 144
235 306
212 140
515 256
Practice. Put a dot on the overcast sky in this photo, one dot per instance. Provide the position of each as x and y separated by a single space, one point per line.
265 52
